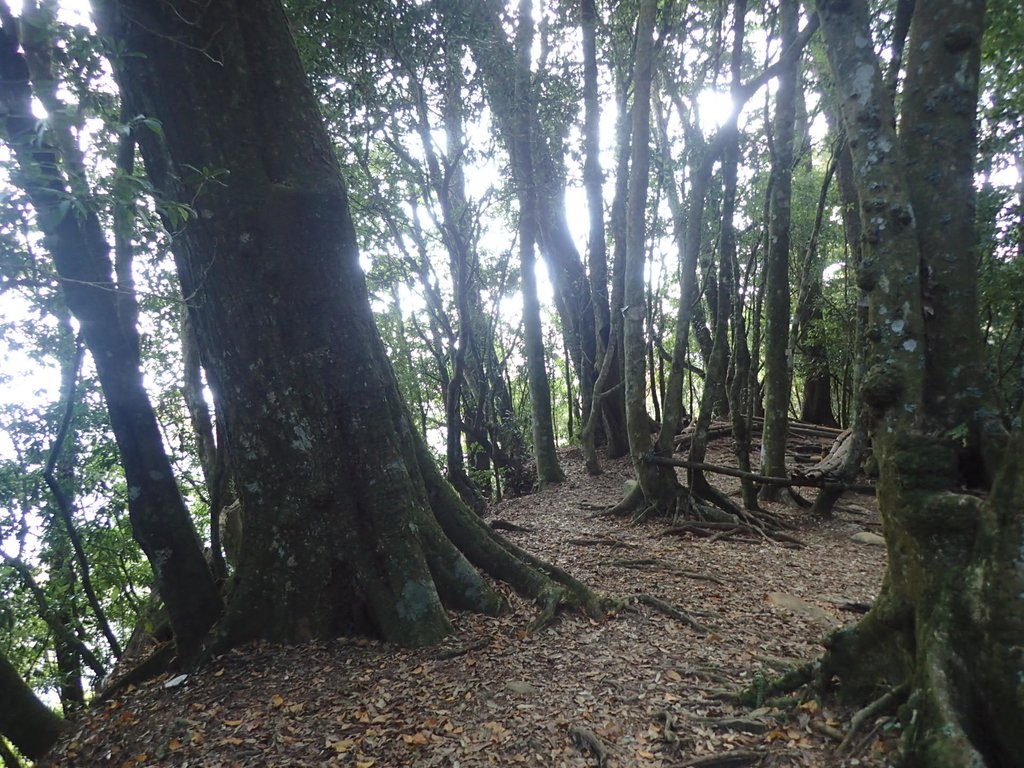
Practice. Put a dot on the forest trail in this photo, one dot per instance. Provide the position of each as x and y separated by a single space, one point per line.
639 689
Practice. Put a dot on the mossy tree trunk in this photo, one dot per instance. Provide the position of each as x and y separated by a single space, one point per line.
348 524
24 720
950 616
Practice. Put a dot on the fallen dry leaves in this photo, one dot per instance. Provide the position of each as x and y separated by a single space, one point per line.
640 689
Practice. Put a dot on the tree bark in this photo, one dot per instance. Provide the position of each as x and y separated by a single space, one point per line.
24 720
607 402
950 615
776 308
349 525
522 146
658 484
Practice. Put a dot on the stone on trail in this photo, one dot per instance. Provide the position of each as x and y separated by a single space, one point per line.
801 608
867 537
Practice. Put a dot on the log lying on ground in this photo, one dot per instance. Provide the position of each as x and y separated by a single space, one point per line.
794 482
724 429
830 466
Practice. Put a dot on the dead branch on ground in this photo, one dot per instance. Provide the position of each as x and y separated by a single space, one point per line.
505 525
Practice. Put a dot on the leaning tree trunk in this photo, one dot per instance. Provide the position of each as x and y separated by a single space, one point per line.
24 720
950 616
52 175
348 523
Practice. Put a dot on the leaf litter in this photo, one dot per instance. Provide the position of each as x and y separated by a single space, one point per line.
639 689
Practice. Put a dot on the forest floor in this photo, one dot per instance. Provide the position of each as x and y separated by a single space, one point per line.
638 689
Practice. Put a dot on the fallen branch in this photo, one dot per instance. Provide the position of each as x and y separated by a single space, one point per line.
505 525
462 650
799 482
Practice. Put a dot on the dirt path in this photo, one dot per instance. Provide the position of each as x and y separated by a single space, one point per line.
640 688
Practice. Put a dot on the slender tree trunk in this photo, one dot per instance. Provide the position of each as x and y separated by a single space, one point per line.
602 406
777 378
657 484
816 406
548 468
501 64
160 521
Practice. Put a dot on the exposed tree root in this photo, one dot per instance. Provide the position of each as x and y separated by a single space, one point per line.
763 690
671 611
156 663
742 724
602 542
462 650
884 703
715 531
651 563
667 719
633 500
826 730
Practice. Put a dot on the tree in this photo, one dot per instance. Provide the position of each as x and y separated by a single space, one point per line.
776 307
657 485
348 524
24 720
53 178
502 65
522 142
946 628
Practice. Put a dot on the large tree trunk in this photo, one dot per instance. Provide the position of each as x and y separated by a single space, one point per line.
24 720
950 615
74 237
349 525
